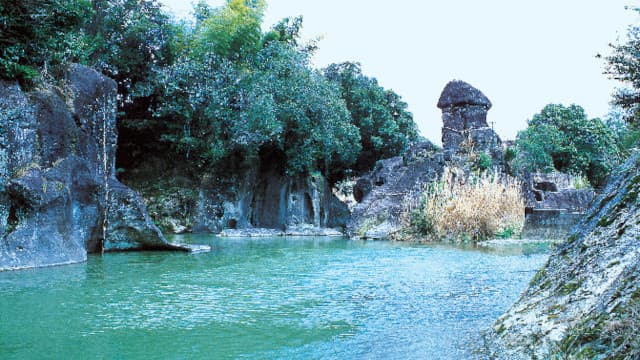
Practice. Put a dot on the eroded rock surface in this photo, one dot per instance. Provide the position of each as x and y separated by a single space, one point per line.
260 196
586 299
464 116
554 204
58 194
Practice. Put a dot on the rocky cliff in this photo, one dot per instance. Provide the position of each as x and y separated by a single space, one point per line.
585 303
59 197
258 196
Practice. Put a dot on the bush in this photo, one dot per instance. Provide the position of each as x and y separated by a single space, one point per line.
460 208
484 162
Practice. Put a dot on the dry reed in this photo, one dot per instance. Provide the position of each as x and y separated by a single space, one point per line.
465 208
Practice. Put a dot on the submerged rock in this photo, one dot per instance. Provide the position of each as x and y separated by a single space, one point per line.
251 232
59 197
307 230
303 230
586 299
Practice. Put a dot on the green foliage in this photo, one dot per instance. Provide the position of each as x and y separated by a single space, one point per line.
215 92
386 126
627 135
510 154
276 104
231 31
624 65
287 30
40 34
132 40
564 139
580 182
483 162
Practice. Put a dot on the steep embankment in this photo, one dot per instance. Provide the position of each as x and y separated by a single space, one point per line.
59 197
586 300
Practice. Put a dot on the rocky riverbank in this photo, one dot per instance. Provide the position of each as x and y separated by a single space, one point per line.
585 302
59 197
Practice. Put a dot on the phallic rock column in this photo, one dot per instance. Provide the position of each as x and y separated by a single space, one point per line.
464 115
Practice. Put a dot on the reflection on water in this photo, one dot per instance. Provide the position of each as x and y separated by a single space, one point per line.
277 298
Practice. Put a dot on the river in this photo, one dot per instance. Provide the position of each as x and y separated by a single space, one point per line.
268 298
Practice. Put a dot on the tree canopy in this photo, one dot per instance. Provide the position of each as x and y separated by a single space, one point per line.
215 91
36 35
563 138
624 65
386 126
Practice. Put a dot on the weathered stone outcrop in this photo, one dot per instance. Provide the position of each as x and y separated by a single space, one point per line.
464 115
261 196
382 194
556 191
58 194
586 300
266 198
553 204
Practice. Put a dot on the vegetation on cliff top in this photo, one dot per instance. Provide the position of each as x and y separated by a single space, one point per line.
214 92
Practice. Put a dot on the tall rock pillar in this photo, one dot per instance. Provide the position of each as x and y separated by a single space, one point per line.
464 115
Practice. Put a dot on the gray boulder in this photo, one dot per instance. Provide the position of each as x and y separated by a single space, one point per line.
391 184
553 204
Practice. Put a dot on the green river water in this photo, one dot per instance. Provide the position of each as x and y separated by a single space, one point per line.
271 298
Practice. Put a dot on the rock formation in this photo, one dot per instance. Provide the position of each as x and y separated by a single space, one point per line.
260 196
586 300
381 195
59 197
464 116
553 204
267 198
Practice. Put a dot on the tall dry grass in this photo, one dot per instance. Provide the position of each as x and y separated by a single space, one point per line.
465 208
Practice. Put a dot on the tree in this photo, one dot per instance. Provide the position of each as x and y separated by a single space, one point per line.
624 65
132 40
231 31
386 126
626 134
40 35
277 105
564 139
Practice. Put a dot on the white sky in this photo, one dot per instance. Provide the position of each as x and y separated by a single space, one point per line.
521 54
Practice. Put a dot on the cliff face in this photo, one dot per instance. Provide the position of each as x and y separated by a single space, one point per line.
586 301
59 197
261 196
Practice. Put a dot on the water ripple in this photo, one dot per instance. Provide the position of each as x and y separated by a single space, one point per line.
264 298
